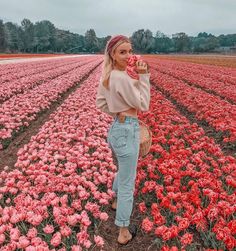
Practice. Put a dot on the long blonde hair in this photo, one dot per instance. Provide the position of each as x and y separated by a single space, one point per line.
108 62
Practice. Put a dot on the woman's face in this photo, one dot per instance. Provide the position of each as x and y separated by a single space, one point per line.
121 55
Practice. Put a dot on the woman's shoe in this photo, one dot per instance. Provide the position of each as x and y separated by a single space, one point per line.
133 231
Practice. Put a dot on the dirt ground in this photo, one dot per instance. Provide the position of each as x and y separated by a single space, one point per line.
109 231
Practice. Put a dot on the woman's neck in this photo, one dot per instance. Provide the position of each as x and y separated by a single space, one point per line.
119 68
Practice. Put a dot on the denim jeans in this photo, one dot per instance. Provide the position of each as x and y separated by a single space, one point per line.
123 139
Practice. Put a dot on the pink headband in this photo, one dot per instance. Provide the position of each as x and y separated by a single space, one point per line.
113 41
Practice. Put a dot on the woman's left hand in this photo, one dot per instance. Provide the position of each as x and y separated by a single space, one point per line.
141 67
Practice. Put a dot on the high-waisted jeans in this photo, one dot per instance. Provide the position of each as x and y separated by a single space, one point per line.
123 139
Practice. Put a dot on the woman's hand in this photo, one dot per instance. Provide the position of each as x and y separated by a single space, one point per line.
141 67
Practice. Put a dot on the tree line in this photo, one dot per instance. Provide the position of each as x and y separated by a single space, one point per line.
44 37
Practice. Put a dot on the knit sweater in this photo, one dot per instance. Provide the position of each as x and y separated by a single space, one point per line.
125 93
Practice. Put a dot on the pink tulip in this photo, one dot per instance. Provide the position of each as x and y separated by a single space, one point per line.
147 225
3 228
98 240
65 231
87 243
14 234
72 220
186 239
48 229
23 242
2 238
56 239
32 233
104 216
76 248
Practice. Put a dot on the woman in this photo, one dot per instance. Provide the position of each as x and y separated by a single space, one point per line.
122 97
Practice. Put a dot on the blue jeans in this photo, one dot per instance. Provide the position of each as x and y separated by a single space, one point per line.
123 139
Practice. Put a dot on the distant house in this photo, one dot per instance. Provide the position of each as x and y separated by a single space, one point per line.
233 48
226 49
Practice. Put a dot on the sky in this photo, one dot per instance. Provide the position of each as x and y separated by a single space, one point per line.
112 17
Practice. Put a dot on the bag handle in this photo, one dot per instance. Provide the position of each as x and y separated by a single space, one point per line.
149 131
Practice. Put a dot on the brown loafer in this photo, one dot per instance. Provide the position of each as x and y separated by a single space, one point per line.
133 231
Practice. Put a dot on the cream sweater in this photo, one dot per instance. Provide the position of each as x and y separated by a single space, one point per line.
125 92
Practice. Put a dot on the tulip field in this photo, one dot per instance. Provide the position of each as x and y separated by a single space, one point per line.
57 193
26 55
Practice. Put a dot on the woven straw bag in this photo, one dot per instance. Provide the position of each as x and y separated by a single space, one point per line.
145 139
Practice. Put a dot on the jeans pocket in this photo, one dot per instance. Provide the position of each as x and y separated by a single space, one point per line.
119 140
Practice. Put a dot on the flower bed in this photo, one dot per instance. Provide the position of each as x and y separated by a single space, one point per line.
217 60
218 113
59 192
12 87
63 182
199 78
10 72
17 112
186 186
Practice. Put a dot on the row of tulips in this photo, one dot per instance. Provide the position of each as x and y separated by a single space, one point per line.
9 89
226 75
186 185
227 62
10 68
10 72
218 113
195 77
63 183
17 112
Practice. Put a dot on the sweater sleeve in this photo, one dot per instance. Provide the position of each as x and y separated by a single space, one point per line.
136 95
101 102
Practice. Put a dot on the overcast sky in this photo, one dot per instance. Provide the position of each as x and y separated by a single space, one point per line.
111 17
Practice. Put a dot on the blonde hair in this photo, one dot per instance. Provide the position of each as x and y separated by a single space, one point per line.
108 62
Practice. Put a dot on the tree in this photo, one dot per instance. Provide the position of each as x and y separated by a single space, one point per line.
202 34
28 36
199 44
227 40
102 43
68 42
44 36
91 41
181 42
212 43
2 37
143 41
205 43
12 36
162 42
